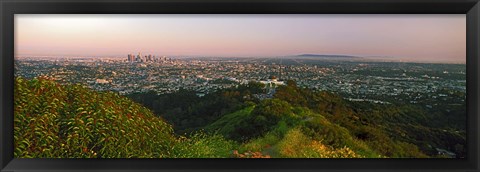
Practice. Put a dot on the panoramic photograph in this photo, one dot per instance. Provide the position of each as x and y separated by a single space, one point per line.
240 86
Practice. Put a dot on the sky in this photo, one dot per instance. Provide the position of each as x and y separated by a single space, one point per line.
439 38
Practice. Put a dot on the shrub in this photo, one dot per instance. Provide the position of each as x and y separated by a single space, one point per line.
297 145
202 145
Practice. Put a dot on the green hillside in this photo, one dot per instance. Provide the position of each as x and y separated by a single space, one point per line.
300 132
371 130
72 121
55 121
292 136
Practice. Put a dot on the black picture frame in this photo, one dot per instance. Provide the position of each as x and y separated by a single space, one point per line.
10 7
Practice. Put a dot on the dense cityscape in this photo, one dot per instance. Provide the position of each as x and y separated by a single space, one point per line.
376 82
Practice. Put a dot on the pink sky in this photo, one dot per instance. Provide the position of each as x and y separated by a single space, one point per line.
439 38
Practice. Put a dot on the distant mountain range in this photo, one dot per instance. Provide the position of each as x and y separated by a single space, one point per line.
326 56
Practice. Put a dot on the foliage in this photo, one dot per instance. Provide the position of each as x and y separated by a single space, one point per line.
71 121
187 112
228 124
396 130
297 145
201 145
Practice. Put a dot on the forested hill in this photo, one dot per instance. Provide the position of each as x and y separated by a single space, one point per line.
72 121
396 130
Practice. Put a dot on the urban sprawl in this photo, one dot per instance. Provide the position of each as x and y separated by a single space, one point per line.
377 82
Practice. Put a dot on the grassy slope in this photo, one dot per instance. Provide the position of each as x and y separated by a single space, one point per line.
227 124
287 139
72 121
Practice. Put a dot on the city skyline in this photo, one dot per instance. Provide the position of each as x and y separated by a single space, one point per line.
438 38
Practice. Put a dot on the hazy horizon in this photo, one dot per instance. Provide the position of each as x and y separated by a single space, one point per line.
433 38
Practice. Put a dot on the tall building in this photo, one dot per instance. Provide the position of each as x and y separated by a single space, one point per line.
139 57
146 58
131 58
280 72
